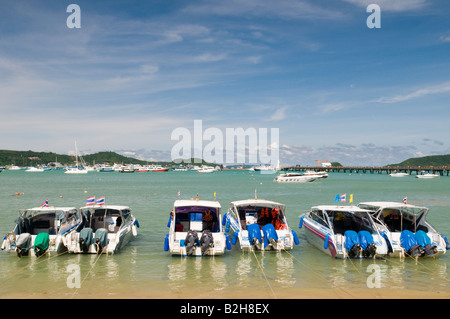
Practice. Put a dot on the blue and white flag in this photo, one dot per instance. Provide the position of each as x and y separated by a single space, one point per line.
90 200
342 198
100 201
45 204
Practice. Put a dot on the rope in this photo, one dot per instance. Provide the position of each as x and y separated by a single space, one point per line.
319 275
85 277
264 274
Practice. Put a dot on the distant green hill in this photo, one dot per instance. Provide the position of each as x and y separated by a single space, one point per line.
426 161
27 158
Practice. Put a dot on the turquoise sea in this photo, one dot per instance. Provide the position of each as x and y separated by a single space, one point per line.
144 270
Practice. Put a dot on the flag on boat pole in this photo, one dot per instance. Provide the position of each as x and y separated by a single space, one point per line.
342 198
405 200
256 196
214 195
45 204
351 198
179 194
100 201
90 200
336 199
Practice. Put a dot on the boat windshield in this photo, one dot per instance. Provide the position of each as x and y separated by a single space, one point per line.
197 218
356 221
262 215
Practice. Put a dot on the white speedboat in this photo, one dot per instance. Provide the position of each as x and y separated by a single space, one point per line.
319 174
398 174
343 232
77 169
260 224
406 230
195 229
42 230
294 178
108 228
427 176
33 169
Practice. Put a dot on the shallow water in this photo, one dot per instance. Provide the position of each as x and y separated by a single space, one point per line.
144 270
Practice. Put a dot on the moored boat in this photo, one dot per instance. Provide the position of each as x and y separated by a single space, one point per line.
195 229
42 230
108 228
294 178
427 176
260 224
343 232
405 229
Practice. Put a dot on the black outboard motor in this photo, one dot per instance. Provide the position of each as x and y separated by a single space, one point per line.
430 251
206 241
23 244
101 239
367 244
409 242
85 239
191 242
352 244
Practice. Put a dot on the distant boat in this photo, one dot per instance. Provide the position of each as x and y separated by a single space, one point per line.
399 174
76 169
427 176
294 178
267 168
35 169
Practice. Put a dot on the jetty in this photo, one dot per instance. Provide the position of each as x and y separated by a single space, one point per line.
443 171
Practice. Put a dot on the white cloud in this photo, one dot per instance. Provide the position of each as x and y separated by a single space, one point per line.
280 114
437 89
392 5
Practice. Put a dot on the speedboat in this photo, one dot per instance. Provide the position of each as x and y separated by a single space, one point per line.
398 174
42 230
294 178
319 174
427 176
406 230
259 224
35 169
76 170
159 169
343 232
195 229
108 228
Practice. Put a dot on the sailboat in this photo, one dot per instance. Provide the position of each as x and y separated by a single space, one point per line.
77 169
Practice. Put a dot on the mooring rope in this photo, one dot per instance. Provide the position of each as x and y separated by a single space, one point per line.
263 272
92 267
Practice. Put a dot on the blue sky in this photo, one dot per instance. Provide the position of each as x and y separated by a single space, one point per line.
136 70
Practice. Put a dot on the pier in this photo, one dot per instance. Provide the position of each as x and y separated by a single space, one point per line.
443 171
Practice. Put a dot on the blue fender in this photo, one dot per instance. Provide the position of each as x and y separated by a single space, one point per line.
227 238
170 220
136 223
235 237
294 234
300 224
447 245
325 243
224 219
166 243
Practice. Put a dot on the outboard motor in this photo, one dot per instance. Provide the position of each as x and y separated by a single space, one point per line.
41 243
254 235
270 235
85 239
101 239
367 244
409 242
425 241
23 243
191 242
352 244
206 241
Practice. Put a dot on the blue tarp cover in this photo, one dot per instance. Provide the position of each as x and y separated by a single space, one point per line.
422 238
365 239
408 239
351 239
269 232
254 232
